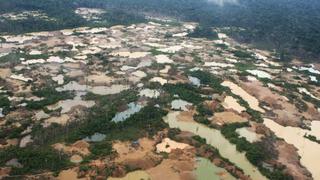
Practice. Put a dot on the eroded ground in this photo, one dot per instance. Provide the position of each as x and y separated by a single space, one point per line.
147 101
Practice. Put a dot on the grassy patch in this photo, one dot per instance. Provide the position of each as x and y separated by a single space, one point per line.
245 66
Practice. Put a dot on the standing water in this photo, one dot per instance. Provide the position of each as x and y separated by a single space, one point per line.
207 170
215 139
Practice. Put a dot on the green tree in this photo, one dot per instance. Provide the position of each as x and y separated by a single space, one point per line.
2 40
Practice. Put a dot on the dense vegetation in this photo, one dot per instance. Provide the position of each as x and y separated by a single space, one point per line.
34 160
287 26
98 119
242 54
186 92
210 80
50 95
4 102
203 32
215 83
256 152
12 58
62 13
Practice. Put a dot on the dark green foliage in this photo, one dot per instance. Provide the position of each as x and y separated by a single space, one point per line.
242 54
62 11
300 104
196 58
199 139
40 56
99 149
33 159
48 135
123 98
215 83
209 79
312 100
116 17
203 32
287 26
168 35
173 132
255 152
4 102
289 86
14 133
245 66
201 119
203 114
255 115
155 52
312 138
203 110
50 96
11 58
276 174
11 132
186 92
222 46
146 122
2 40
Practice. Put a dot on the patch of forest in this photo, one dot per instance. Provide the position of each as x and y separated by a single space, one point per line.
289 26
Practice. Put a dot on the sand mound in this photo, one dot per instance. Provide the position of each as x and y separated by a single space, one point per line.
167 145
79 147
227 118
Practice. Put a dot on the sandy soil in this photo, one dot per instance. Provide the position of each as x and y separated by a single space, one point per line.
312 113
63 119
286 113
227 118
179 166
288 156
99 79
142 157
186 116
257 89
76 158
5 73
307 149
167 145
135 175
79 147
252 101
231 103
69 174
9 142
126 151
5 171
